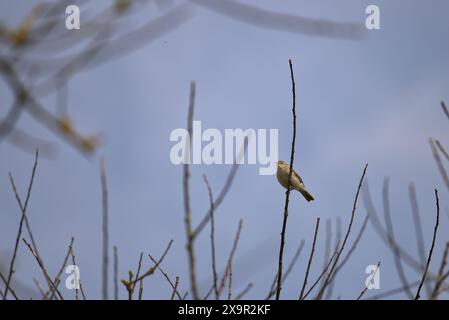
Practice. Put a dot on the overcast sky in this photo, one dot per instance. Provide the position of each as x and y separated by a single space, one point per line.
374 100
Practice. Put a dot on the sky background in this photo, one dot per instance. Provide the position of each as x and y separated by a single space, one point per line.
374 100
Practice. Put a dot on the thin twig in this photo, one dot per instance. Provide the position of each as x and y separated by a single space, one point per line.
418 229
22 219
432 246
230 258
174 286
105 229
338 234
10 289
330 274
440 277
391 238
186 194
439 163
244 291
327 244
224 191
371 279
212 236
50 294
152 269
39 288
442 149
354 245
375 222
395 291
288 271
443 106
230 283
287 193
175 289
309 264
79 284
320 276
115 251
47 276
140 289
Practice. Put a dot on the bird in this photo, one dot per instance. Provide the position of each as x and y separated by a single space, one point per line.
283 170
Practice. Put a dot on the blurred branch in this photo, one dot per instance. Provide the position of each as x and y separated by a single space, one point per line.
224 190
391 238
105 230
284 22
439 163
244 292
441 276
115 251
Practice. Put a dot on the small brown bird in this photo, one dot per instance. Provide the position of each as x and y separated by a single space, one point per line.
283 170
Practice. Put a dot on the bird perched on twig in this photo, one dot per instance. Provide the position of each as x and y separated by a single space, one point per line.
283 170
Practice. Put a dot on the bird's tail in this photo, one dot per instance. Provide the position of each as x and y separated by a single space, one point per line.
306 195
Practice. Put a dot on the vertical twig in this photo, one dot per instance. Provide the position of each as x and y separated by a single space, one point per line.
104 189
287 193
72 253
212 236
391 238
418 229
230 283
115 250
309 264
431 247
230 258
186 193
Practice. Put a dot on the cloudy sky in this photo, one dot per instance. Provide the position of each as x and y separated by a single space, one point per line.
374 100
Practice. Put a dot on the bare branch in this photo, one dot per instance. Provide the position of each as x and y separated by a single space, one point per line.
310 258
330 274
212 236
432 246
22 219
371 279
186 194
287 193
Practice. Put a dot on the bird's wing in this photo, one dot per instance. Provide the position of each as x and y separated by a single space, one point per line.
297 176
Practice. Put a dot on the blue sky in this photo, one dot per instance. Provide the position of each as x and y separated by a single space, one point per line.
373 101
